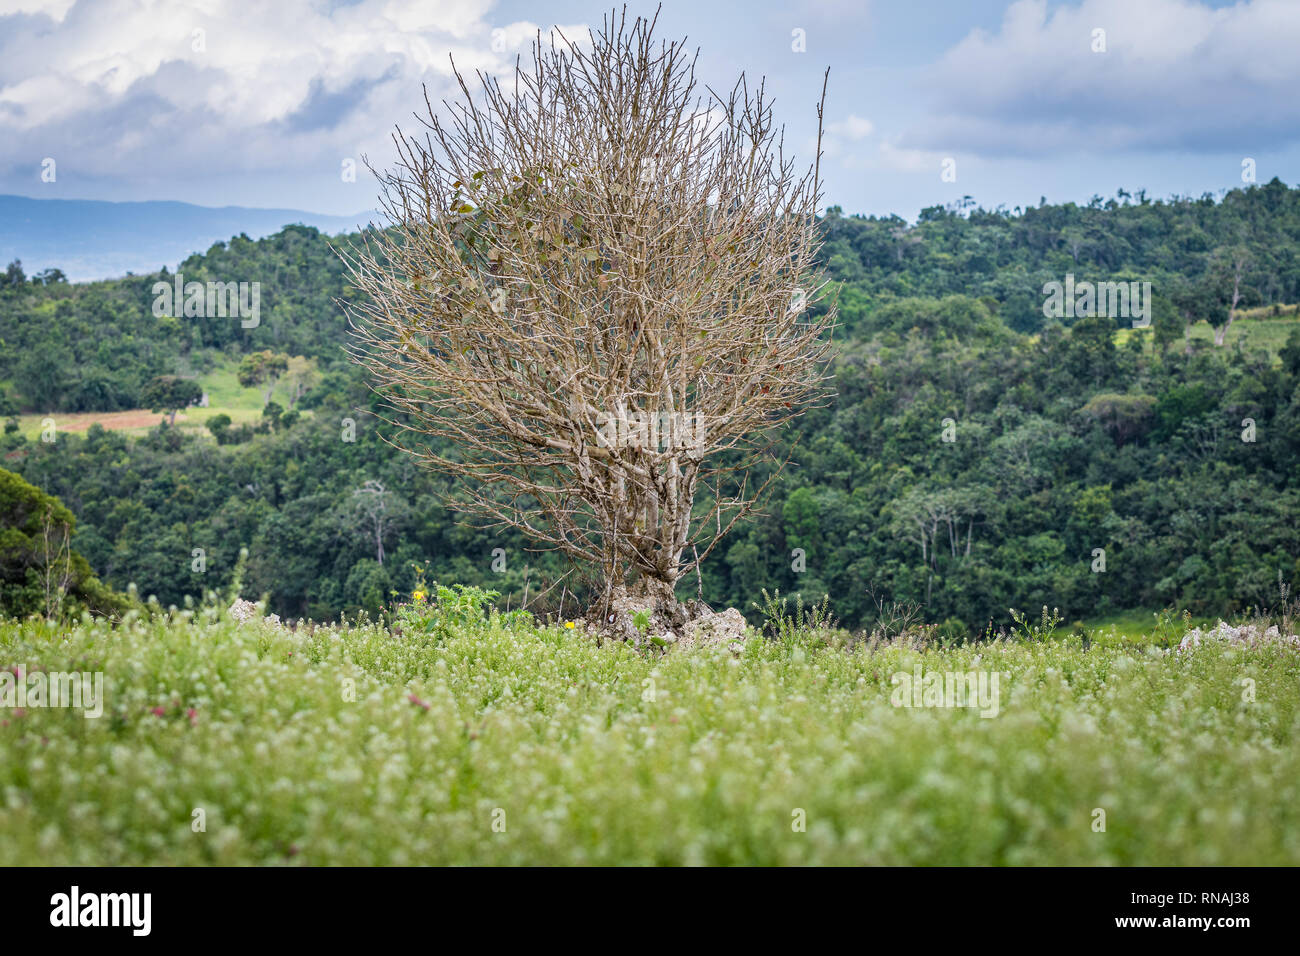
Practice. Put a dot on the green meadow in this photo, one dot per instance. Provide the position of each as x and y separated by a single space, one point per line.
496 742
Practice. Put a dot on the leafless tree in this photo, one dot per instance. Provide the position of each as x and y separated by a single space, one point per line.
1233 264
592 303
370 502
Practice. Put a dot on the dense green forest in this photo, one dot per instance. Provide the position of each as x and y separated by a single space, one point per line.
975 455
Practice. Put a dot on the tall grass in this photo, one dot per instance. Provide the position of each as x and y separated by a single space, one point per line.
505 743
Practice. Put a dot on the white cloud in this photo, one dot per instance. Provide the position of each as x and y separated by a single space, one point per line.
895 158
837 137
54 9
852 128
118 88
520 36
1175 75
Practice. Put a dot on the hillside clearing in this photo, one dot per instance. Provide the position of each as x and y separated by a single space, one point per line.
1261 329
225 396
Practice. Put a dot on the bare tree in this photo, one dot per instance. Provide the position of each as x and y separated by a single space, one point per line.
1232 264
370 502
593 303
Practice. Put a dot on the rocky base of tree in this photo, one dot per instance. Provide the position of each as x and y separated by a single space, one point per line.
634 618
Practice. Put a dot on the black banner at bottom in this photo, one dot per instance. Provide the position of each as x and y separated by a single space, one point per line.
333 905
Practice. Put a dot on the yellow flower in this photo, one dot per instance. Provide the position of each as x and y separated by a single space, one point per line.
419 596
570 625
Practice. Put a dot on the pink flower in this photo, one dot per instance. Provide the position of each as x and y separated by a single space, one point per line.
158 712
419 703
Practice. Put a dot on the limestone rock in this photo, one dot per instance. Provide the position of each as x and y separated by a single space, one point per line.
715 629
1248 635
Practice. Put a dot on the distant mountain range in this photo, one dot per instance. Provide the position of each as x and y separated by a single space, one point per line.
92 239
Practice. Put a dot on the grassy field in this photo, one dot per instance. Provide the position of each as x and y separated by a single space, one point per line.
1254 328
225 395
498 744
1139 627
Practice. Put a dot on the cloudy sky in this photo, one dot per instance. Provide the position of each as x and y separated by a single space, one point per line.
237 102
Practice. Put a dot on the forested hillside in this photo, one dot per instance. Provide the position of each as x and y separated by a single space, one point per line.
94 346
1183 247
975 455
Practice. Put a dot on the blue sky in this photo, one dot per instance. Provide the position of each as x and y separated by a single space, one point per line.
261 104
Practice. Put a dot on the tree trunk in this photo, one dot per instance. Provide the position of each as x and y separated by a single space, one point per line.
1221 333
